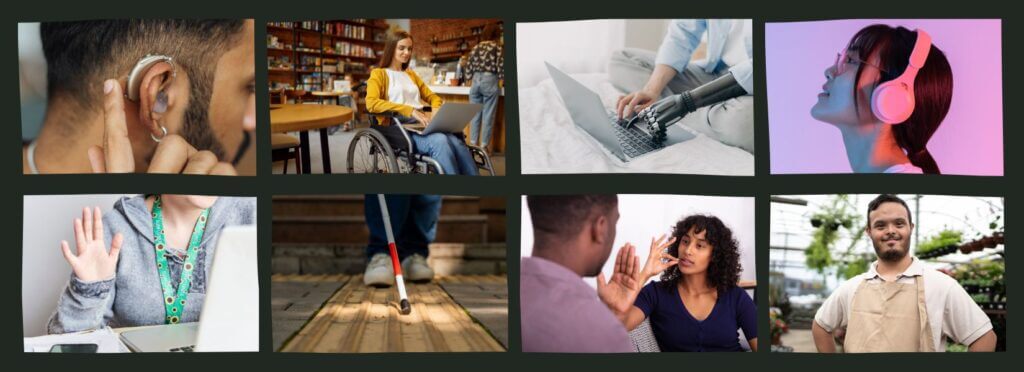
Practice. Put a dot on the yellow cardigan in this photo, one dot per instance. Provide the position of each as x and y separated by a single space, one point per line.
377 94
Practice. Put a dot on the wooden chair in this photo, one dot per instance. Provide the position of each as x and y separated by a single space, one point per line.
285 147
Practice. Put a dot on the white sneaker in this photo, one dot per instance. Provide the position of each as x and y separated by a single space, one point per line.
416 269
379 272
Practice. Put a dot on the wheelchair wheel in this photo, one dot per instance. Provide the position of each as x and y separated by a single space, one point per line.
370 152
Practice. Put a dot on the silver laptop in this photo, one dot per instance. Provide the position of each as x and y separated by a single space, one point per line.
453 117
230 317
603 125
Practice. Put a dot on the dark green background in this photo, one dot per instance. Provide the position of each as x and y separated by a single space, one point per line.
14 185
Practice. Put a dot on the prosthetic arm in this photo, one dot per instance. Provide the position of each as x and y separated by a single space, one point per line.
657 117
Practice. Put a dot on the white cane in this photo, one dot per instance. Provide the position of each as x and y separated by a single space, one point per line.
404 306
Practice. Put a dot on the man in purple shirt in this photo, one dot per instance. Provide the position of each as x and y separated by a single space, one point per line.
573 236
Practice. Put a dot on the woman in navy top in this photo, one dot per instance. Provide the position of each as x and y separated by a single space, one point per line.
696 306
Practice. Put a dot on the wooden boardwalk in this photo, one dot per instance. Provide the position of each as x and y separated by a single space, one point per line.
361 319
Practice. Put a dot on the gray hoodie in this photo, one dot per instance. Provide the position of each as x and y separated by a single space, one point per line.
133 297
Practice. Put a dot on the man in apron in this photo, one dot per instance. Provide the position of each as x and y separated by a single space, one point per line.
899 304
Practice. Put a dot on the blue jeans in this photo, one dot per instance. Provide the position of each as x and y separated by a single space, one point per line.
413 221
484 91
448 149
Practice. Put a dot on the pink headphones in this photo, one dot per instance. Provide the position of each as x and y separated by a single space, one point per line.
892 102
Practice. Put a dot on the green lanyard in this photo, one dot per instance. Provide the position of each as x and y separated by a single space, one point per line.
174 305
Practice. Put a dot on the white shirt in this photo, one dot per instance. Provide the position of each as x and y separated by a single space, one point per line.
735 50
951 311
905 168
402 90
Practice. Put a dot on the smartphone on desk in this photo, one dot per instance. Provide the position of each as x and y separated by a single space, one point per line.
74 348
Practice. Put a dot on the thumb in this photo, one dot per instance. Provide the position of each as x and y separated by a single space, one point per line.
600 282
96 159
115 246
67 252
116 144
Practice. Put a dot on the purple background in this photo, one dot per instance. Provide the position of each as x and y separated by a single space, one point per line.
970 139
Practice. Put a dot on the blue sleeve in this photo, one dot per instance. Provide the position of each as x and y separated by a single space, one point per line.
682 39
647 300
746 313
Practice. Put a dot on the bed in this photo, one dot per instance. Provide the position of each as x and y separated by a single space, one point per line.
551 143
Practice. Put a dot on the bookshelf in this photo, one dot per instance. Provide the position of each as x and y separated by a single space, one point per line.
311 55
450 45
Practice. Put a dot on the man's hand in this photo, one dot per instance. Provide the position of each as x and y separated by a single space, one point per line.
628 105
92 261
620 292
658 261
173 154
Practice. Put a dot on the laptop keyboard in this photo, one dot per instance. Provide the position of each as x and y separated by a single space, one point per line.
185 349
634 141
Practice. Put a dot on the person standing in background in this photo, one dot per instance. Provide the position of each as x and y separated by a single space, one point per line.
486 69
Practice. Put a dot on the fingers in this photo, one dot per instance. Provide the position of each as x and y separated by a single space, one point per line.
631 106
630 257
600 282
117 147
80 242
87 217
97 224
621 104
618 259
224 169
636 267
171 155
201 162
115 246
70 257
96 159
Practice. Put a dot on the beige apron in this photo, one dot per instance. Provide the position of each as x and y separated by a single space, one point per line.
889 317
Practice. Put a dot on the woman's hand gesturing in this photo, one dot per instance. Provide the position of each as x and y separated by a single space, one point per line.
92 261
655 264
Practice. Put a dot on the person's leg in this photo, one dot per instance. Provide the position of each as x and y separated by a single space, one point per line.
436 146
475 97
629 69
398 209
490 92
421 225
463 157
730 122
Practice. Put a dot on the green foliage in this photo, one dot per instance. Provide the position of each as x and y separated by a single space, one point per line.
943 239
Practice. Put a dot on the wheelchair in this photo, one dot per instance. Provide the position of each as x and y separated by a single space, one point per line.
389 149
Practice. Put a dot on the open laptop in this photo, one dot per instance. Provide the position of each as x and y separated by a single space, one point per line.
588 113
230 317
453 117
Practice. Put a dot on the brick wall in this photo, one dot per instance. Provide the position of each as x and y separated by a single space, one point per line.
425 29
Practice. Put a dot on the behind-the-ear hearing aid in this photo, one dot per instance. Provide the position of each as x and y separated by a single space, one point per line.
135 84
892 102
139 71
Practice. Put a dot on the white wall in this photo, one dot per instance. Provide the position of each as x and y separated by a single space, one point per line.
645 33
48 219
646 216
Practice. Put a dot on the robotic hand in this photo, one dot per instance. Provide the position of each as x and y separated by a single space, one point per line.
657 117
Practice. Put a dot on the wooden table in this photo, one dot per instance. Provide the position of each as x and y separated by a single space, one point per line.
302 119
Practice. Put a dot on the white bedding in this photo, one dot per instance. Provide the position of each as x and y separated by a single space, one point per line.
551 143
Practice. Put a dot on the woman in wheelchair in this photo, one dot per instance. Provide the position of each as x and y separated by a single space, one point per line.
397 91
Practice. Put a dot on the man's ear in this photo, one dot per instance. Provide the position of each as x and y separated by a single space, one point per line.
156 97
599 230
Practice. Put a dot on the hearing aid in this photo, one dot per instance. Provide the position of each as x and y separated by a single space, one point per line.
139 71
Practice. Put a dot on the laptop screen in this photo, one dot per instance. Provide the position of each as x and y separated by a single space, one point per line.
586 110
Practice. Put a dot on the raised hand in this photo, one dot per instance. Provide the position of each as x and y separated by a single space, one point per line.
658 261
620 292
92 261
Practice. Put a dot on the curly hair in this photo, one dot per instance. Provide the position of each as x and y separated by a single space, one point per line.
724 268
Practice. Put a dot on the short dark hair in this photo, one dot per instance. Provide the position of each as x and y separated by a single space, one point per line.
888 198
81 54
566 214
724 269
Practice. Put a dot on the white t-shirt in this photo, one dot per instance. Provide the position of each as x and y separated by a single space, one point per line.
402 90
905 168
951 311
735 50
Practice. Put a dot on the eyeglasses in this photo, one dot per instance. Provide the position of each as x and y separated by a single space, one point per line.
844 60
